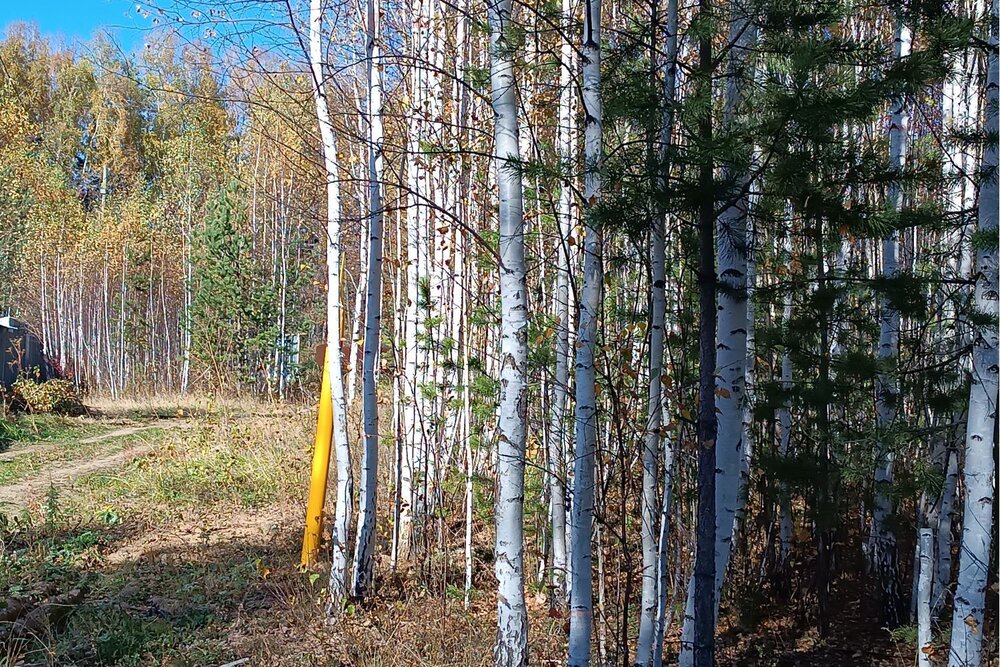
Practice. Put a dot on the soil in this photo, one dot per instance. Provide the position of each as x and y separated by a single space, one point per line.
21 494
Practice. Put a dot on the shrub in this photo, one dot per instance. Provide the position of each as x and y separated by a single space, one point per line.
58 396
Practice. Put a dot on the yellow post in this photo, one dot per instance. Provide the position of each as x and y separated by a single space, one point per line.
320 467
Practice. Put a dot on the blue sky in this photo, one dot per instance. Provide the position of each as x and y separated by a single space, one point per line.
77 20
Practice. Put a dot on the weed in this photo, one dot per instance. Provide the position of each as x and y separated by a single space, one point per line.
11 430
244 465
906 634
30 462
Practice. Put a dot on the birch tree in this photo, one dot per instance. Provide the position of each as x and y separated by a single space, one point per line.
364 552
650 640
731 346
512 615
581 586
557 425
883 539
344 492
925 568
733 323
959 172
979 473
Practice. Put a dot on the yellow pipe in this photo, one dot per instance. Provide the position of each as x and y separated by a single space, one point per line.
320 467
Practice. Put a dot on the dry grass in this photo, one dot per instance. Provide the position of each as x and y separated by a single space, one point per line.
189 555
179 405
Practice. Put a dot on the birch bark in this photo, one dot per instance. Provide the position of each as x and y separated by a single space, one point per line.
980 439
731 351
557 423
364 552
883 539
581 587
512 616
344 493
650 640
925 549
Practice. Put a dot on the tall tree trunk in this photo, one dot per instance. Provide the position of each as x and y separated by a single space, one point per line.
557 423
649 641
733 323
731 350
883 538
959 172
670 71
364 552
512 614
470 459
981 430
785 525
414 461
924 572
943 543
364 251
651 445
344 493
702 618
581 586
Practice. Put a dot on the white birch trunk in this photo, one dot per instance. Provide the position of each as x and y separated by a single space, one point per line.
959 172
980 437
925 549
581 586
883 539
357 315
364 552
399 357
557 426
344 492
731 258
470 463
943 537
670 82
651 533
512 614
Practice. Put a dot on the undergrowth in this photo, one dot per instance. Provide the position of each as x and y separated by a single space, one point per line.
171 604
232 462
31 462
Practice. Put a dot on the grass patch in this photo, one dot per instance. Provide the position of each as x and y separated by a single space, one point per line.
30 462
115 636
243 463
11 431
165 549
168 406
39 428
120 622
39 554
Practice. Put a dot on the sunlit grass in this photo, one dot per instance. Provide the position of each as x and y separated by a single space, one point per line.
32 428
30 462
242 462
168 406
175 603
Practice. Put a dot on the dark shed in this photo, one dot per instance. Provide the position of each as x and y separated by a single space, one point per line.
21 352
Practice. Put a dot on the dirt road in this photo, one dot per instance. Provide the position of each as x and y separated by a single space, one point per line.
20 494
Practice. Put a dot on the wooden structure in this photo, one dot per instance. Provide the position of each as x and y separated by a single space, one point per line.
21 353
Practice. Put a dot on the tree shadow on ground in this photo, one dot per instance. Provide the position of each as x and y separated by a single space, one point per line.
198 596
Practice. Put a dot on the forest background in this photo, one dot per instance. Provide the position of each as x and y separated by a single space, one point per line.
705 295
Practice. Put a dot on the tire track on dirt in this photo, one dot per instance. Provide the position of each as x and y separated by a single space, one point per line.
19 495
59 444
